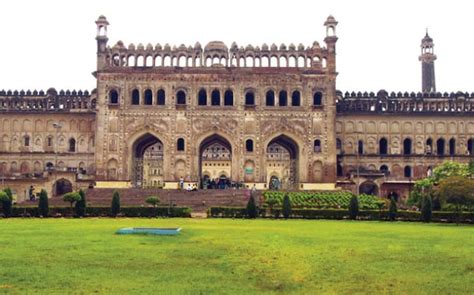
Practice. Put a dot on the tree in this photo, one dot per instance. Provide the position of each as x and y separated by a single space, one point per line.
353 207
43 205
81 204
153 201
450 168
7 202
286 207
392 209
458 191
115 208
380 204
426 209
72 198
251 209
270 203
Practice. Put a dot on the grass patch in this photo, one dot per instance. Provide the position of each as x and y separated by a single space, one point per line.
224 256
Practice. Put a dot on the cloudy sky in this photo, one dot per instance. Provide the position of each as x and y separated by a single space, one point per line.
52 43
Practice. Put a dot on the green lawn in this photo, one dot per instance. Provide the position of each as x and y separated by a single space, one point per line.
224 256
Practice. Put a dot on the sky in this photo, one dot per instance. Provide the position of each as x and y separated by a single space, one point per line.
52 43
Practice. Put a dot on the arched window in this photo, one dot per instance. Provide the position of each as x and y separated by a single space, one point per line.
249 145
360 147
202 97
296 98
229 98
317 146
50 141
72 145
338 146
181 97
470 146
339 170
161 97
318 98
407 146
452 147
113 96
148 97
440 147
26 140
383 146
407 171
135 97
429 146
180 144
215 98
384 169
249 98
283 98
270 98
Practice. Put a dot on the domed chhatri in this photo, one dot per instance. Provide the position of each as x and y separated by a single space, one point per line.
216 46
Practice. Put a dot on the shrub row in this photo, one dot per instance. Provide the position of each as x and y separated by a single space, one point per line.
106 211
438 216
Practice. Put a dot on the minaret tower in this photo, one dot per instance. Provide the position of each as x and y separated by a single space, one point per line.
102 39
427 58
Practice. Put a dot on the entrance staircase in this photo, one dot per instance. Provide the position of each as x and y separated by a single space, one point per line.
199 201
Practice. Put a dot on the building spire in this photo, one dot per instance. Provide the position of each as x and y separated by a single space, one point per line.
427 58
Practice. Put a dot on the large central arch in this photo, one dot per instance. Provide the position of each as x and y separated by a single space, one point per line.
282 163
215 162
147 162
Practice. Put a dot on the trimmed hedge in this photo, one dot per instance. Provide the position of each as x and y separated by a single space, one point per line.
438 216
105 212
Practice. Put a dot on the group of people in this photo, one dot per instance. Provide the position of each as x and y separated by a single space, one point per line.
207 183
217 183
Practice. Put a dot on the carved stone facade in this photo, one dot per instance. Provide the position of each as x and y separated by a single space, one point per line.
269 116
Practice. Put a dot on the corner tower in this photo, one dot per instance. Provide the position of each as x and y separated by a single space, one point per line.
102 39
427 58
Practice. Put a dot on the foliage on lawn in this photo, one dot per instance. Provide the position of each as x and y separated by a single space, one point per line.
322 200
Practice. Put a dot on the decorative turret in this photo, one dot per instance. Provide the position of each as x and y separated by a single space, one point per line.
331 40
427 58
102 39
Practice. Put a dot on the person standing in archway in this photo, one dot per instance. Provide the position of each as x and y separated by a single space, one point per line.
181 183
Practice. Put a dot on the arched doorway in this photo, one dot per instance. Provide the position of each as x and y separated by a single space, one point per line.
282 160
215 162
148 162
62 186
369 188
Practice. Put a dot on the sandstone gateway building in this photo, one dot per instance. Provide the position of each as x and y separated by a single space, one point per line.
269 116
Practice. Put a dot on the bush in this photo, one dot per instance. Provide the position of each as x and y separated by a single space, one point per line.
353 207
154 201
443 216
115 207
43 204
72 198
392 210
436 204
251 210
426 209
80 207
286 208
7 201
321 199
105 211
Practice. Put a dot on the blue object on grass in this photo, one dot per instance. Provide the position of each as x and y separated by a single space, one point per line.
149 231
